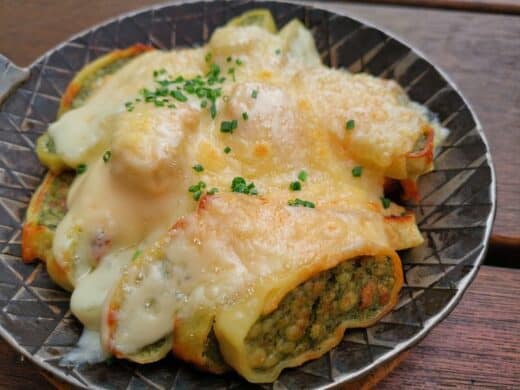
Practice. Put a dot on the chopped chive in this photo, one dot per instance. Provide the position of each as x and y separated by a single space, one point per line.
178 95
357 171
299 202
136 254
213 110
213 191
197 194
228 126
198 168
231 71
228 59
302 175
295 186
203 104
208 57
239 61
385 202
129 106
107 156
227 149
351 123
240 185
245 116
254 94
81 168
278 52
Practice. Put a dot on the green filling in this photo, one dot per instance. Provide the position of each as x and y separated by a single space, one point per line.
310 313
50 145
54 205
89 84
420 143
212 351
154 351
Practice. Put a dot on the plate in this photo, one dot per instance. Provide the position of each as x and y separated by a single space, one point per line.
455 214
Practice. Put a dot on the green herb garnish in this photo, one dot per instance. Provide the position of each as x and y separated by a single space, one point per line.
295 186
198 168
231 71
300 203
245 116
81 168
227 149
178 95
351 123
254 94
136 254
357 171
129 106
385 202
197 189
302 176
228 126
107 156
213 191
240 185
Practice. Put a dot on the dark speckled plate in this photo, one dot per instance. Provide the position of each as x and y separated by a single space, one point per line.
455 214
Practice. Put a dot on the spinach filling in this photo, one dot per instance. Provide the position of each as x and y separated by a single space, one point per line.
354 291
89 84
54 204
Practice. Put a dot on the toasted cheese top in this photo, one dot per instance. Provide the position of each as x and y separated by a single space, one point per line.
250 112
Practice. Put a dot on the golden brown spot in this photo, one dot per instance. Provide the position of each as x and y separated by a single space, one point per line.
304 105
265 75
261 150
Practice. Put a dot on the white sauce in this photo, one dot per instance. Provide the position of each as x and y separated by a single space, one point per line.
87 350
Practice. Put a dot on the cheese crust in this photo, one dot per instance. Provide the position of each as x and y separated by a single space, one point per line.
216 186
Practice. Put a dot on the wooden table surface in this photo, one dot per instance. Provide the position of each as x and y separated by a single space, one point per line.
479 343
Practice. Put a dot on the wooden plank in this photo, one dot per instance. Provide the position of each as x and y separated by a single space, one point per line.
495 6
477 345
480 52
476 342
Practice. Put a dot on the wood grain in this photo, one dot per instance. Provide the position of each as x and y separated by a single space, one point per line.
480 52
498 6
478 344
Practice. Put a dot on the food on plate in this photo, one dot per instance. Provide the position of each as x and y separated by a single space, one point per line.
227 202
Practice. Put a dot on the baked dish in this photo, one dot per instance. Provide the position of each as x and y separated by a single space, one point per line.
228 203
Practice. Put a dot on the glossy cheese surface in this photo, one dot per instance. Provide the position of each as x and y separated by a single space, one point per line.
155 229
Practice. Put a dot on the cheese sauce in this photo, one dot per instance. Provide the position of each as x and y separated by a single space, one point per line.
281 118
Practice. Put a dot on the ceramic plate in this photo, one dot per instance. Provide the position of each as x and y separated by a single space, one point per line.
454 215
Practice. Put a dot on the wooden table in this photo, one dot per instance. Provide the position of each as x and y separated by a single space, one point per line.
479 343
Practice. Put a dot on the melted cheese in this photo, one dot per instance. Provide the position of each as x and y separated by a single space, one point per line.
235 247
296 121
